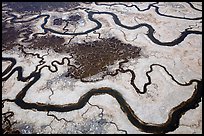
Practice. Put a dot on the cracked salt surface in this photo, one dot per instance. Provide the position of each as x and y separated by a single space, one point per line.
163 79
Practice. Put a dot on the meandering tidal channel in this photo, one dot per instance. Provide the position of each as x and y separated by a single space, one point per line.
171 124
175 113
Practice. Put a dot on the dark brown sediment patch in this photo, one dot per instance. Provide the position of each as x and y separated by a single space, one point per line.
94 57
91 57
39 6
46 42
9 36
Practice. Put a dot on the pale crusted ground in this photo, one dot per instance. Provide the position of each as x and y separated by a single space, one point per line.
183 61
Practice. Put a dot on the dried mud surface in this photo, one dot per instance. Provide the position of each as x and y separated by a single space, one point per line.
101 67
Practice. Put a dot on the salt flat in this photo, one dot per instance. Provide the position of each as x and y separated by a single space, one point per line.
113 67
